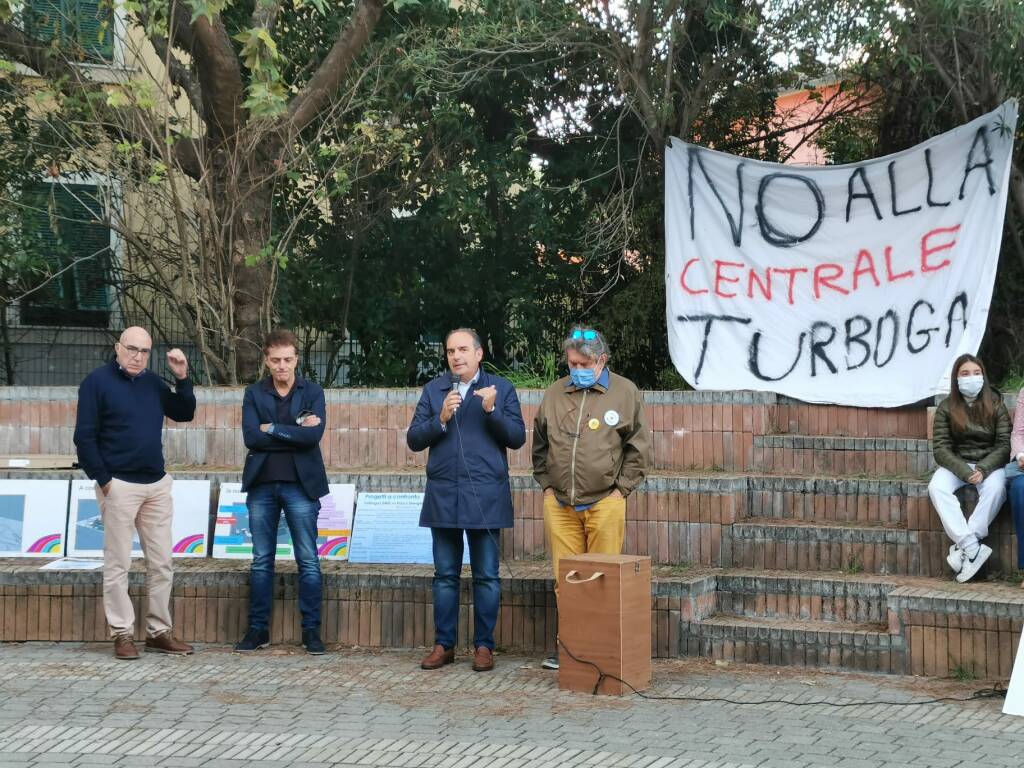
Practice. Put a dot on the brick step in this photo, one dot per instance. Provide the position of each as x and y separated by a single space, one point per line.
785 544
818 454
794 643
805 597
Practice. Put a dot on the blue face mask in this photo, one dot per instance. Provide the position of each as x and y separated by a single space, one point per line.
583 378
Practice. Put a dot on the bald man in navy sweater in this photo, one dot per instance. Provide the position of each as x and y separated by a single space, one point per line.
121 410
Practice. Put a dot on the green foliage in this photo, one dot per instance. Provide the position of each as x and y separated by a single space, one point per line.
538 373
964 673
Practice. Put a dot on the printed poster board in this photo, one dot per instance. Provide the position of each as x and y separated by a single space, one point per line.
232 537
190 526
33 514
387 530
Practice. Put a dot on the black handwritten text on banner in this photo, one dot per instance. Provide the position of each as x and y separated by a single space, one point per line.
855 284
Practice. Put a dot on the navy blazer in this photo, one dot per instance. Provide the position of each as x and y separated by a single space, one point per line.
260 407
467 466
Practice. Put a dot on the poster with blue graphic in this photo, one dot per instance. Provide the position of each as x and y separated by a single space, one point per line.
232 533
189 527
33 514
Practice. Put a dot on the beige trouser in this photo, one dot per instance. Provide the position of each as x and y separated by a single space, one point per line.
598 529
148 508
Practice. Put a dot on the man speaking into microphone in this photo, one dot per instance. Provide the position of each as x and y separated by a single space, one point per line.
468 420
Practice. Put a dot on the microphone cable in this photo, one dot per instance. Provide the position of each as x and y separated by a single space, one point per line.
997 691
476 497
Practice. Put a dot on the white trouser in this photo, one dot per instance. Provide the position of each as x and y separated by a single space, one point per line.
965 533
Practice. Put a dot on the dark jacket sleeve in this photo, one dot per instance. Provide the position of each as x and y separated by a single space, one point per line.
304 437
86 432
255 439
179 405
505 422
636 450
942 444
425 429
540 449
996 458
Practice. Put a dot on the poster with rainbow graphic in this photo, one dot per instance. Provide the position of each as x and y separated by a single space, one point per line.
232 538
189 527
33 514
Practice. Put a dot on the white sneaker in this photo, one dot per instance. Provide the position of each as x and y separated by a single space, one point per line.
955 558
972 565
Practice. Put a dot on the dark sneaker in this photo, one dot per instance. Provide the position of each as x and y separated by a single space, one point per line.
551 662
438 657
167 643
254 640
312 643
124 648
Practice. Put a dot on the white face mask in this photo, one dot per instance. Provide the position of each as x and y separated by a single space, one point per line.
970 386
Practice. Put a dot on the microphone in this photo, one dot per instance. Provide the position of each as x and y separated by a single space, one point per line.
455 386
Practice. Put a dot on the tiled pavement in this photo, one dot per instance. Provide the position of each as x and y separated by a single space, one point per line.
73 704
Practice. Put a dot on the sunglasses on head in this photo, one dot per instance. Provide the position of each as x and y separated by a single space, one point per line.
586 334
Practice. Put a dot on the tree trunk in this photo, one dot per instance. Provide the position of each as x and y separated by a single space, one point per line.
249 211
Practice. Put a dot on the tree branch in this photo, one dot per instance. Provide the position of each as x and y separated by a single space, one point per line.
37 56
220 76
178 72
265 14
328 78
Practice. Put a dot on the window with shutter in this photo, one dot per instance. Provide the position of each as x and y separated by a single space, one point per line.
79 250
85 25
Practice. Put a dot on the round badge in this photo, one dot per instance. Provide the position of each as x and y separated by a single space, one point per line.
611 418
593 423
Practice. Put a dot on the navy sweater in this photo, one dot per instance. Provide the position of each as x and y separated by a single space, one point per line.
119 423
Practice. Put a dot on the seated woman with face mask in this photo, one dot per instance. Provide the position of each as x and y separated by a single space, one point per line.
970 441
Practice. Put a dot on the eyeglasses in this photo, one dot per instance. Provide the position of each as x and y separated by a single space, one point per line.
584 333
135 351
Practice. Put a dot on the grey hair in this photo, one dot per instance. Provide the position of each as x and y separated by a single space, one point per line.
475 336
591 348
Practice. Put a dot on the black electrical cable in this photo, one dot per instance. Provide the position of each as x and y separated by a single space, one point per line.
995 692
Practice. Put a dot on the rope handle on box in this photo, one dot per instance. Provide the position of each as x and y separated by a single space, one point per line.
570 580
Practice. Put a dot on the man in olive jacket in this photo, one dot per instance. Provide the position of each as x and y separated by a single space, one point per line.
591 449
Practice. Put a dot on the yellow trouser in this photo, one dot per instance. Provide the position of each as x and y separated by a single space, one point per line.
598 529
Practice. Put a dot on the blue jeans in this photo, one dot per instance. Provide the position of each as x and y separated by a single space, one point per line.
1017 507
266 502
483 559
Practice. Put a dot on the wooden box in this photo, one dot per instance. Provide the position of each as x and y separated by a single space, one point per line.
604 617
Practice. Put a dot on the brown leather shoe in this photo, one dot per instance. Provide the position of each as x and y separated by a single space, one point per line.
437 658
483 659
124 648
165 643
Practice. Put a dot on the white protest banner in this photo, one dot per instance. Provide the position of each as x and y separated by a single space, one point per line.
1014 704
855 284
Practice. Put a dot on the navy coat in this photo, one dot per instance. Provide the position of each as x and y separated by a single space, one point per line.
467 487
260 407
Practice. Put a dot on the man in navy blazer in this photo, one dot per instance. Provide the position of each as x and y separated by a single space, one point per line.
468 419
283 419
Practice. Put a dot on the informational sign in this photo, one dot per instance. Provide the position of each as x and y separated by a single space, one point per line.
1014 704
387 530
33 514
855 284
189 526
232 536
